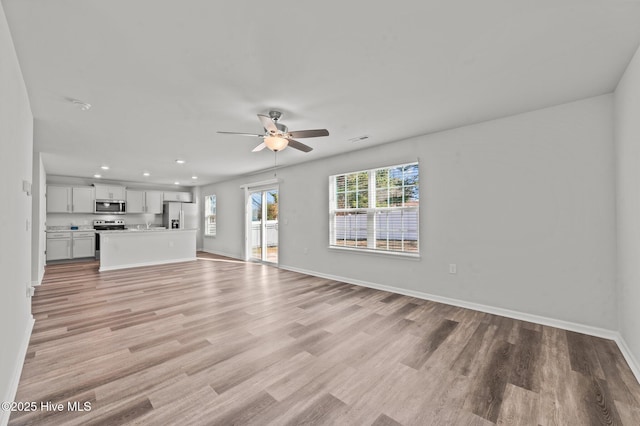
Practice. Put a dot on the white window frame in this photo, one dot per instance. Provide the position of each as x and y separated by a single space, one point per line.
371 212
207 226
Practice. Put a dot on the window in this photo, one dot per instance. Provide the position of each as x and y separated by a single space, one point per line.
376 210
210 215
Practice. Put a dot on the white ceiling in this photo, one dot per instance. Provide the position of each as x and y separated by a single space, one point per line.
164 76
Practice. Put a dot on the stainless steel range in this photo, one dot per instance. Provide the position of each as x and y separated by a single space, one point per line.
106 225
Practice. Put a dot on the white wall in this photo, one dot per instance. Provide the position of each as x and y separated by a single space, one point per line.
16 147
524 206
627 139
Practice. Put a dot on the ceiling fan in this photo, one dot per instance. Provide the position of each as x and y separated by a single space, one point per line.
277 136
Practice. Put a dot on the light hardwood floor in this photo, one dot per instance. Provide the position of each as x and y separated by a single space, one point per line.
219 341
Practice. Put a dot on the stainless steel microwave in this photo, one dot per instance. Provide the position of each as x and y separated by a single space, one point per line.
110 207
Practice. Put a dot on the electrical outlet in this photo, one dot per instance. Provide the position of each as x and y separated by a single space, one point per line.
453 268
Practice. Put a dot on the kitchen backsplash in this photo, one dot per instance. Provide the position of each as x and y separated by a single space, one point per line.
65 221
67 227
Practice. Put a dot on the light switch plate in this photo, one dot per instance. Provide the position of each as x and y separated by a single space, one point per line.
26 187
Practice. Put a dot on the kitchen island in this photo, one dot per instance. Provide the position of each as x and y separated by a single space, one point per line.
132 248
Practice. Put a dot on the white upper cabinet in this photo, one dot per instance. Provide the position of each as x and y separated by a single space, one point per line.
144 201
58 199
110 192
184 197
135 201
153 201
82 200
67 199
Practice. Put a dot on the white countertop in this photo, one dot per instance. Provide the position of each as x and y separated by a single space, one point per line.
71 230
142 231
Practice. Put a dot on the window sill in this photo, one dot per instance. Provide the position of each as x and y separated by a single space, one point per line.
391 254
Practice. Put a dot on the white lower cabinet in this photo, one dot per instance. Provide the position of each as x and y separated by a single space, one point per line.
58 246
84 244
70 245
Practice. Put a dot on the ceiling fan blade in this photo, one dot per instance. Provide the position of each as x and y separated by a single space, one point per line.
259 147
239 133
309 133
299 145
267 123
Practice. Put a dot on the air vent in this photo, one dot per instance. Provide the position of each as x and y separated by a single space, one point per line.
359 138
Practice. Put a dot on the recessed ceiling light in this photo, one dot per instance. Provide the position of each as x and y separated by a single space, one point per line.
194 177
180 161
83 106
146 174
176 183
97 176
104 167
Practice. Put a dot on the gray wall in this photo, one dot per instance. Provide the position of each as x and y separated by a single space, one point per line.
627 138
524 206
16 152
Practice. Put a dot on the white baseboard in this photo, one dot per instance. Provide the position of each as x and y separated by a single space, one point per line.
138 265
628 356
39 280
17 372
552 322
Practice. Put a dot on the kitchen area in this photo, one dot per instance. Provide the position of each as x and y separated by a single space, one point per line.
121 226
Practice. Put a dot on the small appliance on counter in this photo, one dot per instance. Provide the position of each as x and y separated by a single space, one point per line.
106 225
175 224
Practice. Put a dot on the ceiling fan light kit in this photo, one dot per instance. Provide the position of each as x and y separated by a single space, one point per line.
277 136
275 143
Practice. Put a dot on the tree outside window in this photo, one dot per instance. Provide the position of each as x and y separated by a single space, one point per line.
376 210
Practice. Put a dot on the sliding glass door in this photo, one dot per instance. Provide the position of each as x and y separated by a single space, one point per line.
263 227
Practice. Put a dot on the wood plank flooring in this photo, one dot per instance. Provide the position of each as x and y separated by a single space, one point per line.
221 342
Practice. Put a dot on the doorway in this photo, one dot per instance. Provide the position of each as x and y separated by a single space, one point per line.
263 225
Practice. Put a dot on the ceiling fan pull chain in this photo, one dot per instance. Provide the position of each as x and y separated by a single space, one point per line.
275 163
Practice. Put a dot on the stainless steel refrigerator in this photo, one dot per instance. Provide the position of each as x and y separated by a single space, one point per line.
180 215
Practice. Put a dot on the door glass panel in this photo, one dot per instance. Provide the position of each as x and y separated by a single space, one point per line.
263 237
256 225
271 226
